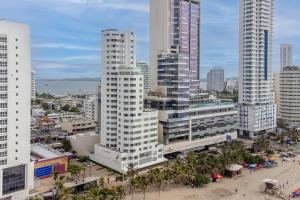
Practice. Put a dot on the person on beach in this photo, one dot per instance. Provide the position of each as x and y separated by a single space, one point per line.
236 190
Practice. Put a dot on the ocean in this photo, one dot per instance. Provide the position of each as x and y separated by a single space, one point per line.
73 87
66 87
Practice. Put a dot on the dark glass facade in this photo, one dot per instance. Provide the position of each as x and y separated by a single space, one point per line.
13 179
185 37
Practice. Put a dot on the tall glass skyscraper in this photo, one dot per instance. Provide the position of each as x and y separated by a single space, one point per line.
256 104
175 29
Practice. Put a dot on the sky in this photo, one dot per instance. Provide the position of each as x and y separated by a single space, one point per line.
65 34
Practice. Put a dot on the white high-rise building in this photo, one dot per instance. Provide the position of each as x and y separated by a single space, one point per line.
90 108
33 84
16 170
286 55
144 68
256 103
129 133
289 95
215 80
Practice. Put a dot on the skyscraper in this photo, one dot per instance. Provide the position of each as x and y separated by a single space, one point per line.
16 170
175 28
215 80
129 133
188 120
256 104
286 55
118 49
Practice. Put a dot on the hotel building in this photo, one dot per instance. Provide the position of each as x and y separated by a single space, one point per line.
16 170
129 133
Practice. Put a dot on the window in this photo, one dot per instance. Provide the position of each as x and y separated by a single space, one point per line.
13 179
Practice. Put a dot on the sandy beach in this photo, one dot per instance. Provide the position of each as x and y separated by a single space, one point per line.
249 186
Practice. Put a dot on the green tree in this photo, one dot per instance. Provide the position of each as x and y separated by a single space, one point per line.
45 106
200 180
66 145
66 108
74 109
75 171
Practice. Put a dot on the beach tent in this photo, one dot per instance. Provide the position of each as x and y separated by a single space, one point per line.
233 170
271 184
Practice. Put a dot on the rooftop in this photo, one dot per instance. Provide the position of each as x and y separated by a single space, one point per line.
212 104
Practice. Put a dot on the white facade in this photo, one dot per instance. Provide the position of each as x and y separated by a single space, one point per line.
129 134
90 108
144 68
286 55
160 37
83 143
215 80
16 170
289 95
256 103
33 84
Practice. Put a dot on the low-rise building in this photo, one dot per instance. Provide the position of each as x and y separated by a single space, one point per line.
45 124
205 122
83 143
37 112
90 108
78 126
231 85
47 161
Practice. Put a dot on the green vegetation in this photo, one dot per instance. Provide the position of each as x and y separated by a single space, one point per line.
44 96
97 192
66 145
74 109
68 108
228 95
45 106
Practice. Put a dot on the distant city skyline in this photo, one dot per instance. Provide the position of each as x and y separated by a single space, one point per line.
66 44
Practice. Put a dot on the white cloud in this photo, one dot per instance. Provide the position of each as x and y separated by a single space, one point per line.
64 46
81 58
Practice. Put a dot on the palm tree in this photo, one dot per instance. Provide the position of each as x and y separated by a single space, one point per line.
131 172
102 182
191 162
93 193
62 193
168 176
142 183
132 186
119 193
75 171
